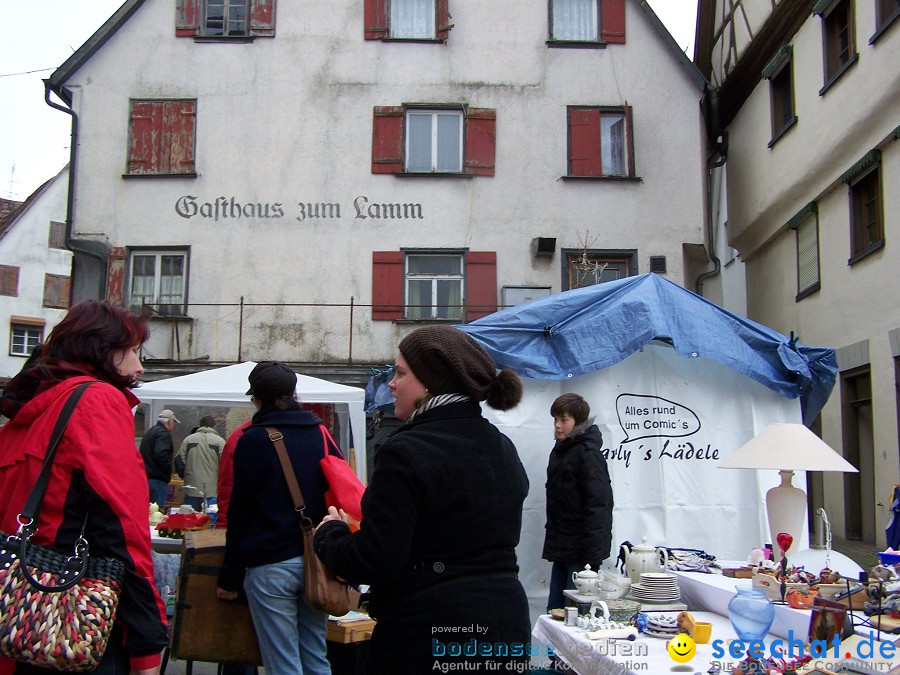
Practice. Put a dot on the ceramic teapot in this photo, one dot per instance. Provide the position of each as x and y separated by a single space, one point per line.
586 581
643 558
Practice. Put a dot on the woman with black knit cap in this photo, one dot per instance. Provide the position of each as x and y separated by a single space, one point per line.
441 517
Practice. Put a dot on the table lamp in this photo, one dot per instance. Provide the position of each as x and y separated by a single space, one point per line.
787 448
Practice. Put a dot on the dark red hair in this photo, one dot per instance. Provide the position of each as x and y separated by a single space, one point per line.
91 332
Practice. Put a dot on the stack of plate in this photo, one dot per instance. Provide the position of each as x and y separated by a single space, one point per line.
661 626
656 587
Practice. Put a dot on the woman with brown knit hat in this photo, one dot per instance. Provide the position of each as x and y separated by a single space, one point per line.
441 517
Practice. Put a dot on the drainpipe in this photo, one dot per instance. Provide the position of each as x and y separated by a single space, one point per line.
71 243
715 160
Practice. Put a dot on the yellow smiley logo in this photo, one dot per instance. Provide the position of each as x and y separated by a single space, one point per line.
682 648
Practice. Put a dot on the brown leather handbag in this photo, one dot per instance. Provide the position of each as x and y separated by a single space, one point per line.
321 589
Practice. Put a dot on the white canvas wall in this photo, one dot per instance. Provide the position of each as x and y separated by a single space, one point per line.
674 502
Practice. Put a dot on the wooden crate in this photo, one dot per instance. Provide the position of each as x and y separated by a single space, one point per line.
354 631
204 627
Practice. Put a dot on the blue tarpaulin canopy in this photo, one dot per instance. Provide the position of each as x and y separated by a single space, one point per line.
586 329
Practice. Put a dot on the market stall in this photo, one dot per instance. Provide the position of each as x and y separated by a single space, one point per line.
227 386
676 384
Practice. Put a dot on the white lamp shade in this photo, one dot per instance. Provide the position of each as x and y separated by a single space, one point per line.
787 446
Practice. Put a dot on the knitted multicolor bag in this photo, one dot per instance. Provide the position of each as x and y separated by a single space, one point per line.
56 608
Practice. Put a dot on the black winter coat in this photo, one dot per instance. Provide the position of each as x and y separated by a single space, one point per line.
156 449
441 520
579 501
263 527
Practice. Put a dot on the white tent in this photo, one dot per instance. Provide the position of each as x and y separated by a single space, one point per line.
226 386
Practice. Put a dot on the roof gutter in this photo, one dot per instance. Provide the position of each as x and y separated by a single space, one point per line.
71 243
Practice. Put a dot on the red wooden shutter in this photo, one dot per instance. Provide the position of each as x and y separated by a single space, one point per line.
584 142
145 126
187 18
612 21
387 139
375 18
262 18
9 280
481 141
180 128
443 19
387 285
481 284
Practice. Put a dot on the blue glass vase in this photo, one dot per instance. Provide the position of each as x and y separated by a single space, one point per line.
751 613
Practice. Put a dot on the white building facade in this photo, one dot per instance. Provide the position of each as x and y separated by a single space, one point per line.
35 269
807 101
311 181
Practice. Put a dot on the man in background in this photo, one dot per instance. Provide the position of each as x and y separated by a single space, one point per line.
157 449
198 461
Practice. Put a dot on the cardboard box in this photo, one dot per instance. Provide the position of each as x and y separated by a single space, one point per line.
351 631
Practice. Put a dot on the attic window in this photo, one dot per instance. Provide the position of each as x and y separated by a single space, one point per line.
221 20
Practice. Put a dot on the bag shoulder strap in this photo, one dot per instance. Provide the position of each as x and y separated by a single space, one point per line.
32 508
290 477
328 440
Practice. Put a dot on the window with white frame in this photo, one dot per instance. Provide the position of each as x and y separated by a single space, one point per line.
412 19
574 20
434 286
158 280
24 337
434 141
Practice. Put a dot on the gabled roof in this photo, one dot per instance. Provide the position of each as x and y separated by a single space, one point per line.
56 81
693 72
7 222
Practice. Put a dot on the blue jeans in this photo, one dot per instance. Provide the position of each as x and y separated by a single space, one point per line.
560 580
291 633
159 491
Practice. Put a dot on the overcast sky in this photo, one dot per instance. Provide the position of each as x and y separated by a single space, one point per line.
34 138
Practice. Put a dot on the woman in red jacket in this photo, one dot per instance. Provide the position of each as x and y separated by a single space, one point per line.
97 470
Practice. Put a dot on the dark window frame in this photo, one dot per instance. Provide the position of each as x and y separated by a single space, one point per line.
885 17
866 229
834 63
806 219
626 259
780 74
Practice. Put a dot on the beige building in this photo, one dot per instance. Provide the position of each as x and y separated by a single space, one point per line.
805 106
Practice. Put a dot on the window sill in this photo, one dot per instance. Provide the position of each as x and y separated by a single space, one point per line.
614 179
160 175
871 248
433 174
890 21
787 127
807 292
429 41
240 39
154 316
843 69
572 44
411 322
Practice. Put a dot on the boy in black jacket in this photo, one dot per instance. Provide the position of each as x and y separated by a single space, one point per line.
579 497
